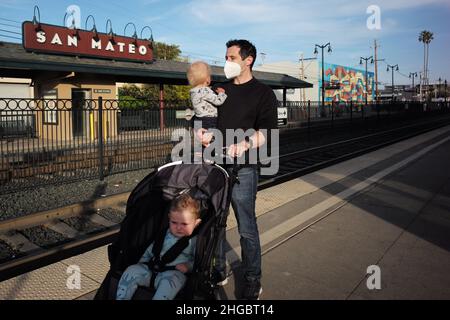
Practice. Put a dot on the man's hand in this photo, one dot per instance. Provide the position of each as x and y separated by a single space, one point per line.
204 137
182 267
236 150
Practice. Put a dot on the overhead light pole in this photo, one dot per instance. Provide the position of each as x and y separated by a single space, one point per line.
445 92
413 75
323 72
396 69
367 87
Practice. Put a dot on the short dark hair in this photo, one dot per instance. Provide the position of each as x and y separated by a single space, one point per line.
247 49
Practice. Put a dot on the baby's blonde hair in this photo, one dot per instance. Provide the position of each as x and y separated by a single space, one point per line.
198 73
186 202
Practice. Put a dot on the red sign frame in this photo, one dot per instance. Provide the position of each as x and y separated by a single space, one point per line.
48 38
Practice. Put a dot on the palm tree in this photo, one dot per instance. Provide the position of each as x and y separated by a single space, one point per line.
425 37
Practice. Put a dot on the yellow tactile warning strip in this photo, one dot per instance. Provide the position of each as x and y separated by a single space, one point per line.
58 281
93 264
54 282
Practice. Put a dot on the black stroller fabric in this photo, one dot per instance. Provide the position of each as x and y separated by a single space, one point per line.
147 216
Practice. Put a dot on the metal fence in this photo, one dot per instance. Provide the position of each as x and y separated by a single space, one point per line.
300 113
50 141
55 140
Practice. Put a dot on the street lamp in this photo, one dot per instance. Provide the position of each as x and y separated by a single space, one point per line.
413 75
396 69
445 87
360 62
439 87
323 76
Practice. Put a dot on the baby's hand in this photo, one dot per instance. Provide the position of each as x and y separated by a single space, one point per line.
220 90
204 137
182 267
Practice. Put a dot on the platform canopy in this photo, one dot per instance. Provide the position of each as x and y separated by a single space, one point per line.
16 62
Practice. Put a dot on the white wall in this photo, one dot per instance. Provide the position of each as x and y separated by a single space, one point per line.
15 88
293 69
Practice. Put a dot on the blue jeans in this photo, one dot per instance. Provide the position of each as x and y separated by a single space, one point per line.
167 283
243 202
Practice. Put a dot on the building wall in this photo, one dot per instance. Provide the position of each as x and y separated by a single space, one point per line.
15 88
351 80
308 73
351 83
56 119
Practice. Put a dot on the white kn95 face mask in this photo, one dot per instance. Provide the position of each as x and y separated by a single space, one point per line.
232 69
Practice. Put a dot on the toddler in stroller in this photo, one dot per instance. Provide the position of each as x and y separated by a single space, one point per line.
147 222
159 267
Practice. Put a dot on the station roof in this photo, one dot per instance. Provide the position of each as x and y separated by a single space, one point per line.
16 62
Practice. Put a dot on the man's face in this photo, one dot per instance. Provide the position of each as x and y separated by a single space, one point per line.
234 56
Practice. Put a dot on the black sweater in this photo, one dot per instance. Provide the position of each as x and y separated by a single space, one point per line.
251 105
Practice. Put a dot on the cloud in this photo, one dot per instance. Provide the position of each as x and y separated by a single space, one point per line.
285 12
343 21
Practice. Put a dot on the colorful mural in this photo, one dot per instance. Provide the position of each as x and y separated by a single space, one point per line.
346 84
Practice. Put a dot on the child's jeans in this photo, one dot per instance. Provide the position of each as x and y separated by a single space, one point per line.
167 283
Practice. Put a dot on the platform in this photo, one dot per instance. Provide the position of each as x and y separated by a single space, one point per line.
319 233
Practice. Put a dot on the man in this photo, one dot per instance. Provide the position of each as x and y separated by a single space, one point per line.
252 106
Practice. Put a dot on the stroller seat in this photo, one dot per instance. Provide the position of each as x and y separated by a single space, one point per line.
146 216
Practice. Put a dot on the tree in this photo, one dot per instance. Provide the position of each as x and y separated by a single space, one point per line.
162 51
425 37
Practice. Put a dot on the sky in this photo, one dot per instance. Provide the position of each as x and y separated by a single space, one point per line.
280 29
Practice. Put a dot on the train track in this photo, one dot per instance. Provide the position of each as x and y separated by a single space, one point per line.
91 224
301 162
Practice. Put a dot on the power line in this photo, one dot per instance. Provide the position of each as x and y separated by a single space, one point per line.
189 53
9 25
402 74
3 30
3 35
10 20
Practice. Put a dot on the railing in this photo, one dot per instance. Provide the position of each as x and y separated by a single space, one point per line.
302 113
54 141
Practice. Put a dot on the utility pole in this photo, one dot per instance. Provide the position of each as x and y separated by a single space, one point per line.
396 69
413 75
360 62
302 77
323 72
420 86
376 69
263 57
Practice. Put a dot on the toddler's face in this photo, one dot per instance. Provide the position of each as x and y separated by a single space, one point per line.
182 223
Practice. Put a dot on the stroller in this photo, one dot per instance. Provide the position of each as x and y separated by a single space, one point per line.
147 218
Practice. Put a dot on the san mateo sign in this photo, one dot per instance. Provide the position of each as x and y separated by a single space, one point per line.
39 37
